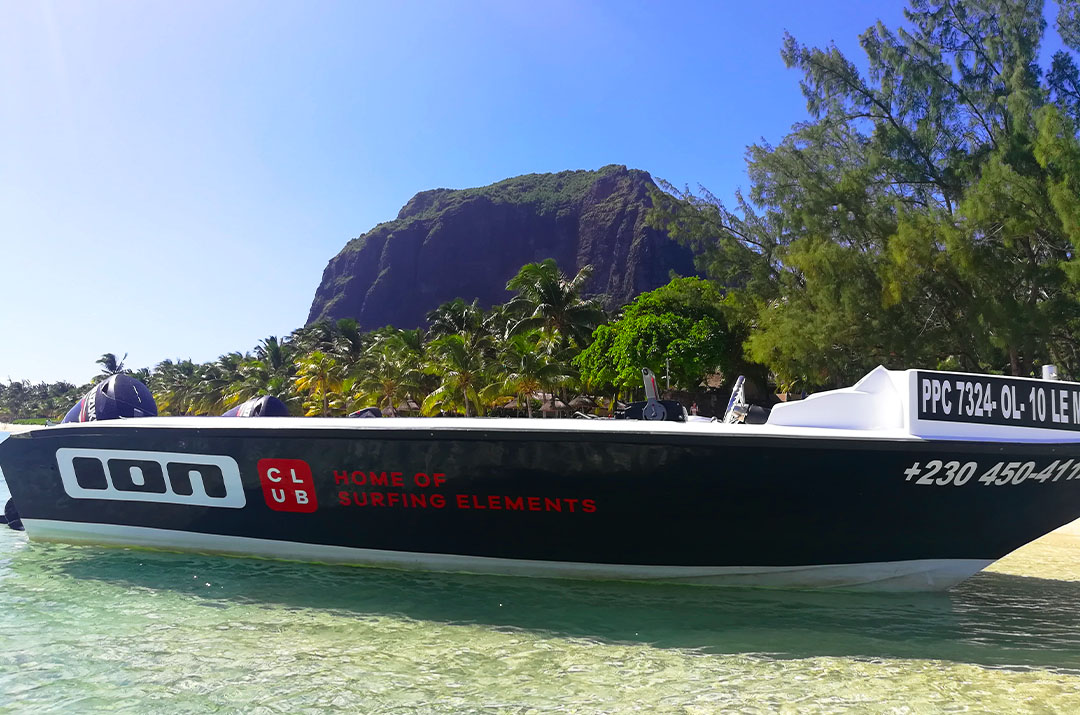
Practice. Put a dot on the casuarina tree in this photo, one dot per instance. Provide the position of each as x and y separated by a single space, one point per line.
927 214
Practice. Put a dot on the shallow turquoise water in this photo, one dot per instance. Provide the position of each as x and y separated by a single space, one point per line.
85 628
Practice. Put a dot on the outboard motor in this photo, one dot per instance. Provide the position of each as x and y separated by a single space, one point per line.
11 516
653 408
115 397
263 406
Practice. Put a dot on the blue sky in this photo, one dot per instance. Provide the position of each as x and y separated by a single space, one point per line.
174 176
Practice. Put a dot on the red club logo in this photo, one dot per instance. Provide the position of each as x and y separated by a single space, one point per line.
287 485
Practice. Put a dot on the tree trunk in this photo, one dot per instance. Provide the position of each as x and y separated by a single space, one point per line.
1029 354
1014 361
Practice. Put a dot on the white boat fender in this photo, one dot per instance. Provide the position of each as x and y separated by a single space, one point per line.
11 516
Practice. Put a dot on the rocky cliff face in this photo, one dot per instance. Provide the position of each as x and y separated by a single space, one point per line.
448 244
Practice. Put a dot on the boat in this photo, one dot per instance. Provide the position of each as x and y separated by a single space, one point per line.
907 480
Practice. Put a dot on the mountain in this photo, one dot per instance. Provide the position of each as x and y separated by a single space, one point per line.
467 243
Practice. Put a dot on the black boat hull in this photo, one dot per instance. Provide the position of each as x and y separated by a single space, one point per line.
707 508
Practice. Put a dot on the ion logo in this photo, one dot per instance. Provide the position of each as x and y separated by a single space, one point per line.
287 485
162 477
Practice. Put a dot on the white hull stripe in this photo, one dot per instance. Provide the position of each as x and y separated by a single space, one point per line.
916 575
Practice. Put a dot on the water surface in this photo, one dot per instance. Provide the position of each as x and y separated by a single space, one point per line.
85 628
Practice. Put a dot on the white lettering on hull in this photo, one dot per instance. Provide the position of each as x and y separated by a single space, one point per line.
158 477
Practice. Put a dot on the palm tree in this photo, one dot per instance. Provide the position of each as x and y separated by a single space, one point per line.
391 377
18 397
110 365
213 388
274 354
528 370
413 346
456 317
461 372
141 374
254 378
268 372
349 343
499 320
173 385
319 375
317 336
342 397
413 340
548 301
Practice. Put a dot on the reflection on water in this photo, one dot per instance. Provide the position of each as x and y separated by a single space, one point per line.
995 619
84 628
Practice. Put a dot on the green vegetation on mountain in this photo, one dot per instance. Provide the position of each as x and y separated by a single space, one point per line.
447 244
544 193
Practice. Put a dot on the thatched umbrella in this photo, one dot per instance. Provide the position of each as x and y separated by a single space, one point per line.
605 404
549 403
583 402
408 405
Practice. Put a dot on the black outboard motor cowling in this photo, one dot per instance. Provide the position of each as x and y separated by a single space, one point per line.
11 517
114 397
263 406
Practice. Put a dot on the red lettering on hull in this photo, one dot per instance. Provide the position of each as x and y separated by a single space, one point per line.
287 485
400 500
423 490
361 478
497 502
